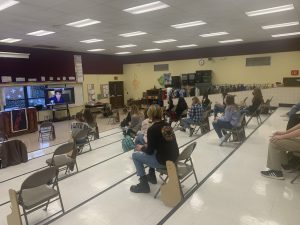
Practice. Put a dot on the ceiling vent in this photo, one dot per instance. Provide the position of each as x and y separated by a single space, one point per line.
161 67
258 61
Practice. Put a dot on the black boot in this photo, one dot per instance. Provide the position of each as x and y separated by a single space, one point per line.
142 187
151 177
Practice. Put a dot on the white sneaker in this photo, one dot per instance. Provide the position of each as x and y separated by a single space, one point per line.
221 140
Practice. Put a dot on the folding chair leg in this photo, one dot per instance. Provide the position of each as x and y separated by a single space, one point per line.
25 216
47 205
164 181
298 175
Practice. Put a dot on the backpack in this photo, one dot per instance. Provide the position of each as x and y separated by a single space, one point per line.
127 144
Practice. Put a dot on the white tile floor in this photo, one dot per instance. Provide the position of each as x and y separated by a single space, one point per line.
234 194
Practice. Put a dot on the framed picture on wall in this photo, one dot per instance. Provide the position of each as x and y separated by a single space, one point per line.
104 90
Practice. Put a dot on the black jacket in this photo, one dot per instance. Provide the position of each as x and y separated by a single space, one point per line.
161 139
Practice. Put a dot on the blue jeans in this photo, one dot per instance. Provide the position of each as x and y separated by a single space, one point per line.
139 139
219 125
218 108
141 158
294 110
186 122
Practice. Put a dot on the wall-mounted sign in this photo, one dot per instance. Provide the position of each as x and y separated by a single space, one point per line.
50 78
72 78
57 78
294 72
20 79
43 78
78 68
32 79
64 78
6 79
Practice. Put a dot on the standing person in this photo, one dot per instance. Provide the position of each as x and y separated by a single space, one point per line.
230 119
195 115
161 146
91 121
136 121
220 107
257 100
281 142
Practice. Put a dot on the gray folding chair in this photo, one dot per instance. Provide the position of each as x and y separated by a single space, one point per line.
266 107
237 133
46 131
64 157
81 139
203 124
3 137
256 114
184 166
183 115
38 189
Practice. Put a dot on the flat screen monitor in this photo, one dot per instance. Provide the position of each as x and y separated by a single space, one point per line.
59 95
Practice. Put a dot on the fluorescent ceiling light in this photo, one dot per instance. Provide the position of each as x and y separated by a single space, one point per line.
91 41
152 50
286 34
14 55
10 40
214 34
230 41
136 33
189 24
147 7
83 23
4 4
280 25
186 46
270 10
164 41
40 33
126 46
122 53
96 50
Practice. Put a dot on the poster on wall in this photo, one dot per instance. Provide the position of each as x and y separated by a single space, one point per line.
19 120
78 68
6 79
104 89
167 79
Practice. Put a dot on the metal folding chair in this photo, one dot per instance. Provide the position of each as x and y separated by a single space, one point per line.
256 114
203 124
184 166
37 191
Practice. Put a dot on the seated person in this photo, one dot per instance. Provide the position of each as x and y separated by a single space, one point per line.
220 108
79 125
57 98
181 107
281 142
293 111
195 115
205 101
136 121
230 119
161 146
90 120
141 137
125 122
257 100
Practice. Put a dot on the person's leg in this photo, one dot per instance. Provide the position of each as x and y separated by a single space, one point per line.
219 125
294 110
139 139
139 159
187 122
277 155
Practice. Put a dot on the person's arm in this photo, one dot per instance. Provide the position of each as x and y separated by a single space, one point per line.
152 141
192 112
288 131
292 134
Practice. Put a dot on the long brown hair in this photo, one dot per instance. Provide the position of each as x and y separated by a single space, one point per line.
257 95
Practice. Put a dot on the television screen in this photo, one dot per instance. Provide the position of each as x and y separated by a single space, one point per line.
14 93
36 91
59 95
36 101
